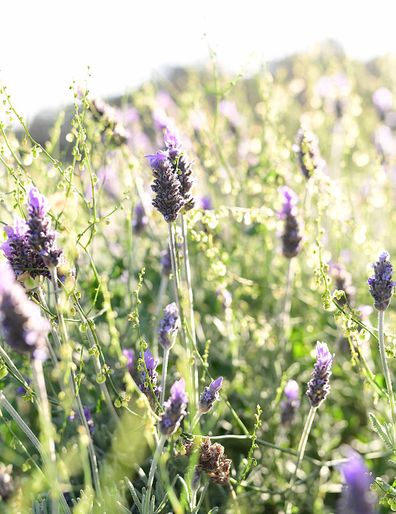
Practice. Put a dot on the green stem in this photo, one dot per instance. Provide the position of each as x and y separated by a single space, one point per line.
187 269
164 373
75 393
153 468
385 369
301 450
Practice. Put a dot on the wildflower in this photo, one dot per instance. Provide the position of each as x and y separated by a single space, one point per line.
290 405
212 460
381 283
343 282
291 238
169 326
169 200
205 203
22 325
175 409
140 219
318 386
210 395
307 149
356 496
181 166
6 482
129 355
148 380
41 237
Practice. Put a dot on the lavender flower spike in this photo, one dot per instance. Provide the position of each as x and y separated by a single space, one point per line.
210 395
41 237
22 325
318 386
148 381
291 238
175 409
381 283
356 496
169 326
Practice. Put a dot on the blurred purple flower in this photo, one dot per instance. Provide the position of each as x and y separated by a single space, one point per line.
290 200
205 203
290 405
382 100
140 219
357 498
129 354
169 326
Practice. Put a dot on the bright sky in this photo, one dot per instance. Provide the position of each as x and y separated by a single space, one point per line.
48 43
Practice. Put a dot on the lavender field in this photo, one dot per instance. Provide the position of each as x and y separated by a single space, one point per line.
196 290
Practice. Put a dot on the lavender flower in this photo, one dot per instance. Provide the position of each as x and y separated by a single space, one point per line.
318 386
205 203
210 395
22 325
18 252
169 326
290 405
148 381
175 409
383 101
41 237
129 355
291 238
169 200
212 460
88 418
307 150
381 283
140 219
356 496
181 166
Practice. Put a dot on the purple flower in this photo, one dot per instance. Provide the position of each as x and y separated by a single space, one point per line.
291 238
356 496
129 354
22 325
175 409
290 200
381 284
319 386
166 262
156 160
148 381
140 219
291 403
210 395
88 418
205 203
382 100
169 326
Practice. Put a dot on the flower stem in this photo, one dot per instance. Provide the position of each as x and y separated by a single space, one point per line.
285 317
164 373
153 468
385 369
301 450
74 390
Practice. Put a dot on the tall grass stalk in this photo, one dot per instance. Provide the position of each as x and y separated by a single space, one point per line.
385 369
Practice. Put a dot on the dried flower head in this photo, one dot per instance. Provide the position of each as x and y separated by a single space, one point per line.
212 460
169 326
209 395
175 409
357 498
381 283
22 325
319 385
